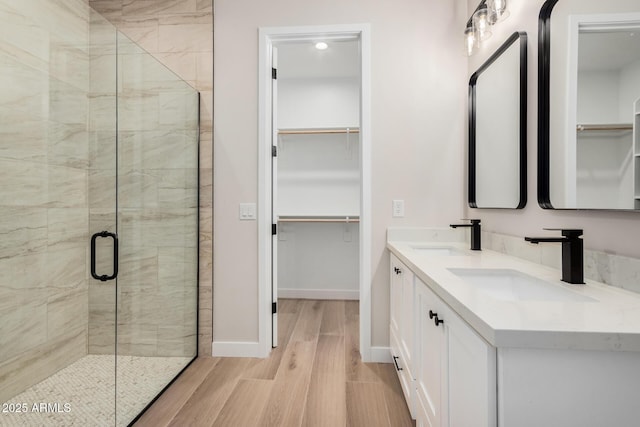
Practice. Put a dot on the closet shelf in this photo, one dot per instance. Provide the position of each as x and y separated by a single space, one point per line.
318 131
310 218
338 176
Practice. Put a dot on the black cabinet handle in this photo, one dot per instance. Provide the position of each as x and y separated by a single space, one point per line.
104 277
397 270
433 315
395 360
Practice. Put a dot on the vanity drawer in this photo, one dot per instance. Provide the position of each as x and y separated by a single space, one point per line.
405 375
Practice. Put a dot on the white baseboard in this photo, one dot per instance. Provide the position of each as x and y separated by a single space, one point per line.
253 349
338 294
237 349
381 355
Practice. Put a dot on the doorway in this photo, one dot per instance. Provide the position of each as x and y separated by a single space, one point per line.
314 229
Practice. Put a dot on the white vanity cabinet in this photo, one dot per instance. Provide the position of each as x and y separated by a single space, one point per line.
554 359
447 372
455 368
401 327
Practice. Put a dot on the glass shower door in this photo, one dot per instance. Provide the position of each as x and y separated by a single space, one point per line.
98 177
57 145
157 215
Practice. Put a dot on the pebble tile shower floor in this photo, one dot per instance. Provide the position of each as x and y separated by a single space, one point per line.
87 386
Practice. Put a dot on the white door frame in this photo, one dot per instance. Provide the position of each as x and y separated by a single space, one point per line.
267 36
274 196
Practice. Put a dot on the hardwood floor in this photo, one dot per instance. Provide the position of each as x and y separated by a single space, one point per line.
313 378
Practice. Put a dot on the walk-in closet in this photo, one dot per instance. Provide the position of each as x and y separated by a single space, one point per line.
317 189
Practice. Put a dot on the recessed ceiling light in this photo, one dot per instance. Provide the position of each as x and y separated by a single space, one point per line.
321 45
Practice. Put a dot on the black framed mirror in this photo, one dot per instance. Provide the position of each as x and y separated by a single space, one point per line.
589 105
498 128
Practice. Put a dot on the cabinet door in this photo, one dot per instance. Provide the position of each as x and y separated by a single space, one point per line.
430 360
402 302
402 328
472 375
395 296
408 321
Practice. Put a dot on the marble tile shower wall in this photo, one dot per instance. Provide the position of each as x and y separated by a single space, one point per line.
615 270
179 33
44 203
156 196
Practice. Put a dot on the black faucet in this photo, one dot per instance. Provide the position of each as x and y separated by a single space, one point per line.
475 233
572 253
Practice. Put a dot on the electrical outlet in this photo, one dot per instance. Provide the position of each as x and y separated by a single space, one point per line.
398 208
247 211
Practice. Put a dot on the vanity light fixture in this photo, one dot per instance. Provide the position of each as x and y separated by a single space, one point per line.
321 46
481 23
478 27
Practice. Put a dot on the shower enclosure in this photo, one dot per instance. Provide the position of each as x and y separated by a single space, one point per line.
98 219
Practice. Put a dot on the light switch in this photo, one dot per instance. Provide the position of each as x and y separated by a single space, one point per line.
247 211
398 208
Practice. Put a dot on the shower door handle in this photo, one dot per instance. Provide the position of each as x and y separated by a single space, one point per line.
104 277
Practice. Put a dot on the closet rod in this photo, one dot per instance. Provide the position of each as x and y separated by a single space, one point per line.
582 128
347 219
317 131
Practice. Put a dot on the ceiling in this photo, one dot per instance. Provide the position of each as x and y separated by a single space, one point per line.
302 60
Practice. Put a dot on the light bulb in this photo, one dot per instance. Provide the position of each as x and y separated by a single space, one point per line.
470 42
497 10
321 45
481 24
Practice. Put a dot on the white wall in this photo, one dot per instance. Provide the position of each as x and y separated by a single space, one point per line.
604 172
604 176
614 232
598 97
318 102
318 174
318 257
629 90
418 115
608 96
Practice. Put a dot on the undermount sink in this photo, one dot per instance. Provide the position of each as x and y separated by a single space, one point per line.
513 285
437 250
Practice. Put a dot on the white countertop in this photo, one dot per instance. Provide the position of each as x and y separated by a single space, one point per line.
610 322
